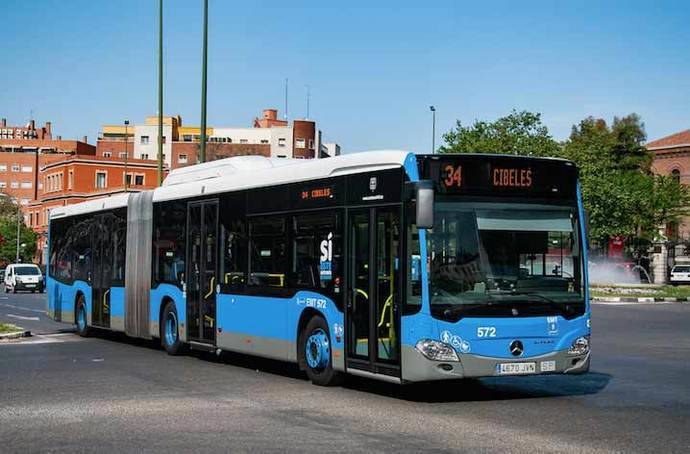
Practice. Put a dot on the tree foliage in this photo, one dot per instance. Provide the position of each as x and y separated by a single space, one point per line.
8 234
519 133
620 193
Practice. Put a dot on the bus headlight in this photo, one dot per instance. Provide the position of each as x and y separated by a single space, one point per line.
436 350
580 346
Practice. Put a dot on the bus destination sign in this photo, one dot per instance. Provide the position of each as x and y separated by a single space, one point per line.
477 175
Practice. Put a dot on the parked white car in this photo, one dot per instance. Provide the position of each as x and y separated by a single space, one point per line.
23 276
680 274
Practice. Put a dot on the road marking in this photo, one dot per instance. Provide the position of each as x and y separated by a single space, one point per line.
58 338
23 308
20 317
629 303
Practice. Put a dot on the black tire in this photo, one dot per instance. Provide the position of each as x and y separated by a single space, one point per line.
14 288
82 328
320 375
171 343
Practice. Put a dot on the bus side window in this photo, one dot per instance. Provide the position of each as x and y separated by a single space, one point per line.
169 224
233 254
268 252
81 234
413 302
317 254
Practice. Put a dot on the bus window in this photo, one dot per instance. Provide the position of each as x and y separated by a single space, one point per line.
268 246
413 303
317 254
80 233
233 252
169 219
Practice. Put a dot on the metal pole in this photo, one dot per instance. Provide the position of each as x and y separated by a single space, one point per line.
126 156
160 92
286 99
308 96
202 148
433 129
18 215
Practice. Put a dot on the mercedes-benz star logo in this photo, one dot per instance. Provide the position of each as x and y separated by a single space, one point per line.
516 348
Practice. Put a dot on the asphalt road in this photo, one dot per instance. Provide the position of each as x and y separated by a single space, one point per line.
63 393
28 310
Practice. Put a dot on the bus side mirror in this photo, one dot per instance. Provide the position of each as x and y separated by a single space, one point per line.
424 195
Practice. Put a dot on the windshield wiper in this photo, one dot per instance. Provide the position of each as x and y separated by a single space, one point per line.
490 303
562 308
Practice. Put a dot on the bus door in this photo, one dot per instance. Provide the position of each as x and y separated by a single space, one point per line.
373 318
201 272
102 260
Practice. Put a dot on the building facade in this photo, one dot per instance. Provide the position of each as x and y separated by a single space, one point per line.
269 137
672 158
24 150
77 178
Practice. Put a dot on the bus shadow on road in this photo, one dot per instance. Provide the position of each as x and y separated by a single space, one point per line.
461 390
491 388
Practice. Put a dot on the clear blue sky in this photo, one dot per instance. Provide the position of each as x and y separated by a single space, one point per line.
373 67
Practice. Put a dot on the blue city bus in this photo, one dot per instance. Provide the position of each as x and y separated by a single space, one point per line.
388 265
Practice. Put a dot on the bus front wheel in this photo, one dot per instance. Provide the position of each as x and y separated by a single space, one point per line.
170 337
317 355
82 326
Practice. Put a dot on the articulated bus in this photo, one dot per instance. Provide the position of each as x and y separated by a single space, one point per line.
388 265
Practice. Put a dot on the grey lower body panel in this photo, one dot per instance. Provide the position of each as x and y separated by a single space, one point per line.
415 367
267 347
117 323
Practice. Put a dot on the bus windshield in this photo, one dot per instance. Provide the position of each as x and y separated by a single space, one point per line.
504 259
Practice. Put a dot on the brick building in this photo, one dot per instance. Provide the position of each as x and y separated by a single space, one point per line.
77 178
672 157
24 150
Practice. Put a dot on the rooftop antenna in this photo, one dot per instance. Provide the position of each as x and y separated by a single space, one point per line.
308 96
286 99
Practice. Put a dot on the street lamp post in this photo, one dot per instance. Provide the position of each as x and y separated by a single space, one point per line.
433 129
18 216
160 92
202 146
126 154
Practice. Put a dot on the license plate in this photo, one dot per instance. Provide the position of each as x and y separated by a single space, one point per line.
516 368
30 285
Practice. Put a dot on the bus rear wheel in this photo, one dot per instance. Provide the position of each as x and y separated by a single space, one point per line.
317 354
170 331
82 325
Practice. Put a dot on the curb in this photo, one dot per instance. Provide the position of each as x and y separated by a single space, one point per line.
15 335
626 299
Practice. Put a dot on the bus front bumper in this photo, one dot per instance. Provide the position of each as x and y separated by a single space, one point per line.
416 367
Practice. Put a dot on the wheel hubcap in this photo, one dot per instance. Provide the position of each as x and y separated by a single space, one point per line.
318 350
171 329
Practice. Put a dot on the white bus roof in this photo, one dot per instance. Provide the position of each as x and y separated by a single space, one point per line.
245 172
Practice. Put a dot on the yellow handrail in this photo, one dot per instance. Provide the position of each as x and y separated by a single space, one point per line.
389 303
210 290
105 304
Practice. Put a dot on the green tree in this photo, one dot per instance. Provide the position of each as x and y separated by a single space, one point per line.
519 133
620 192
8 234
